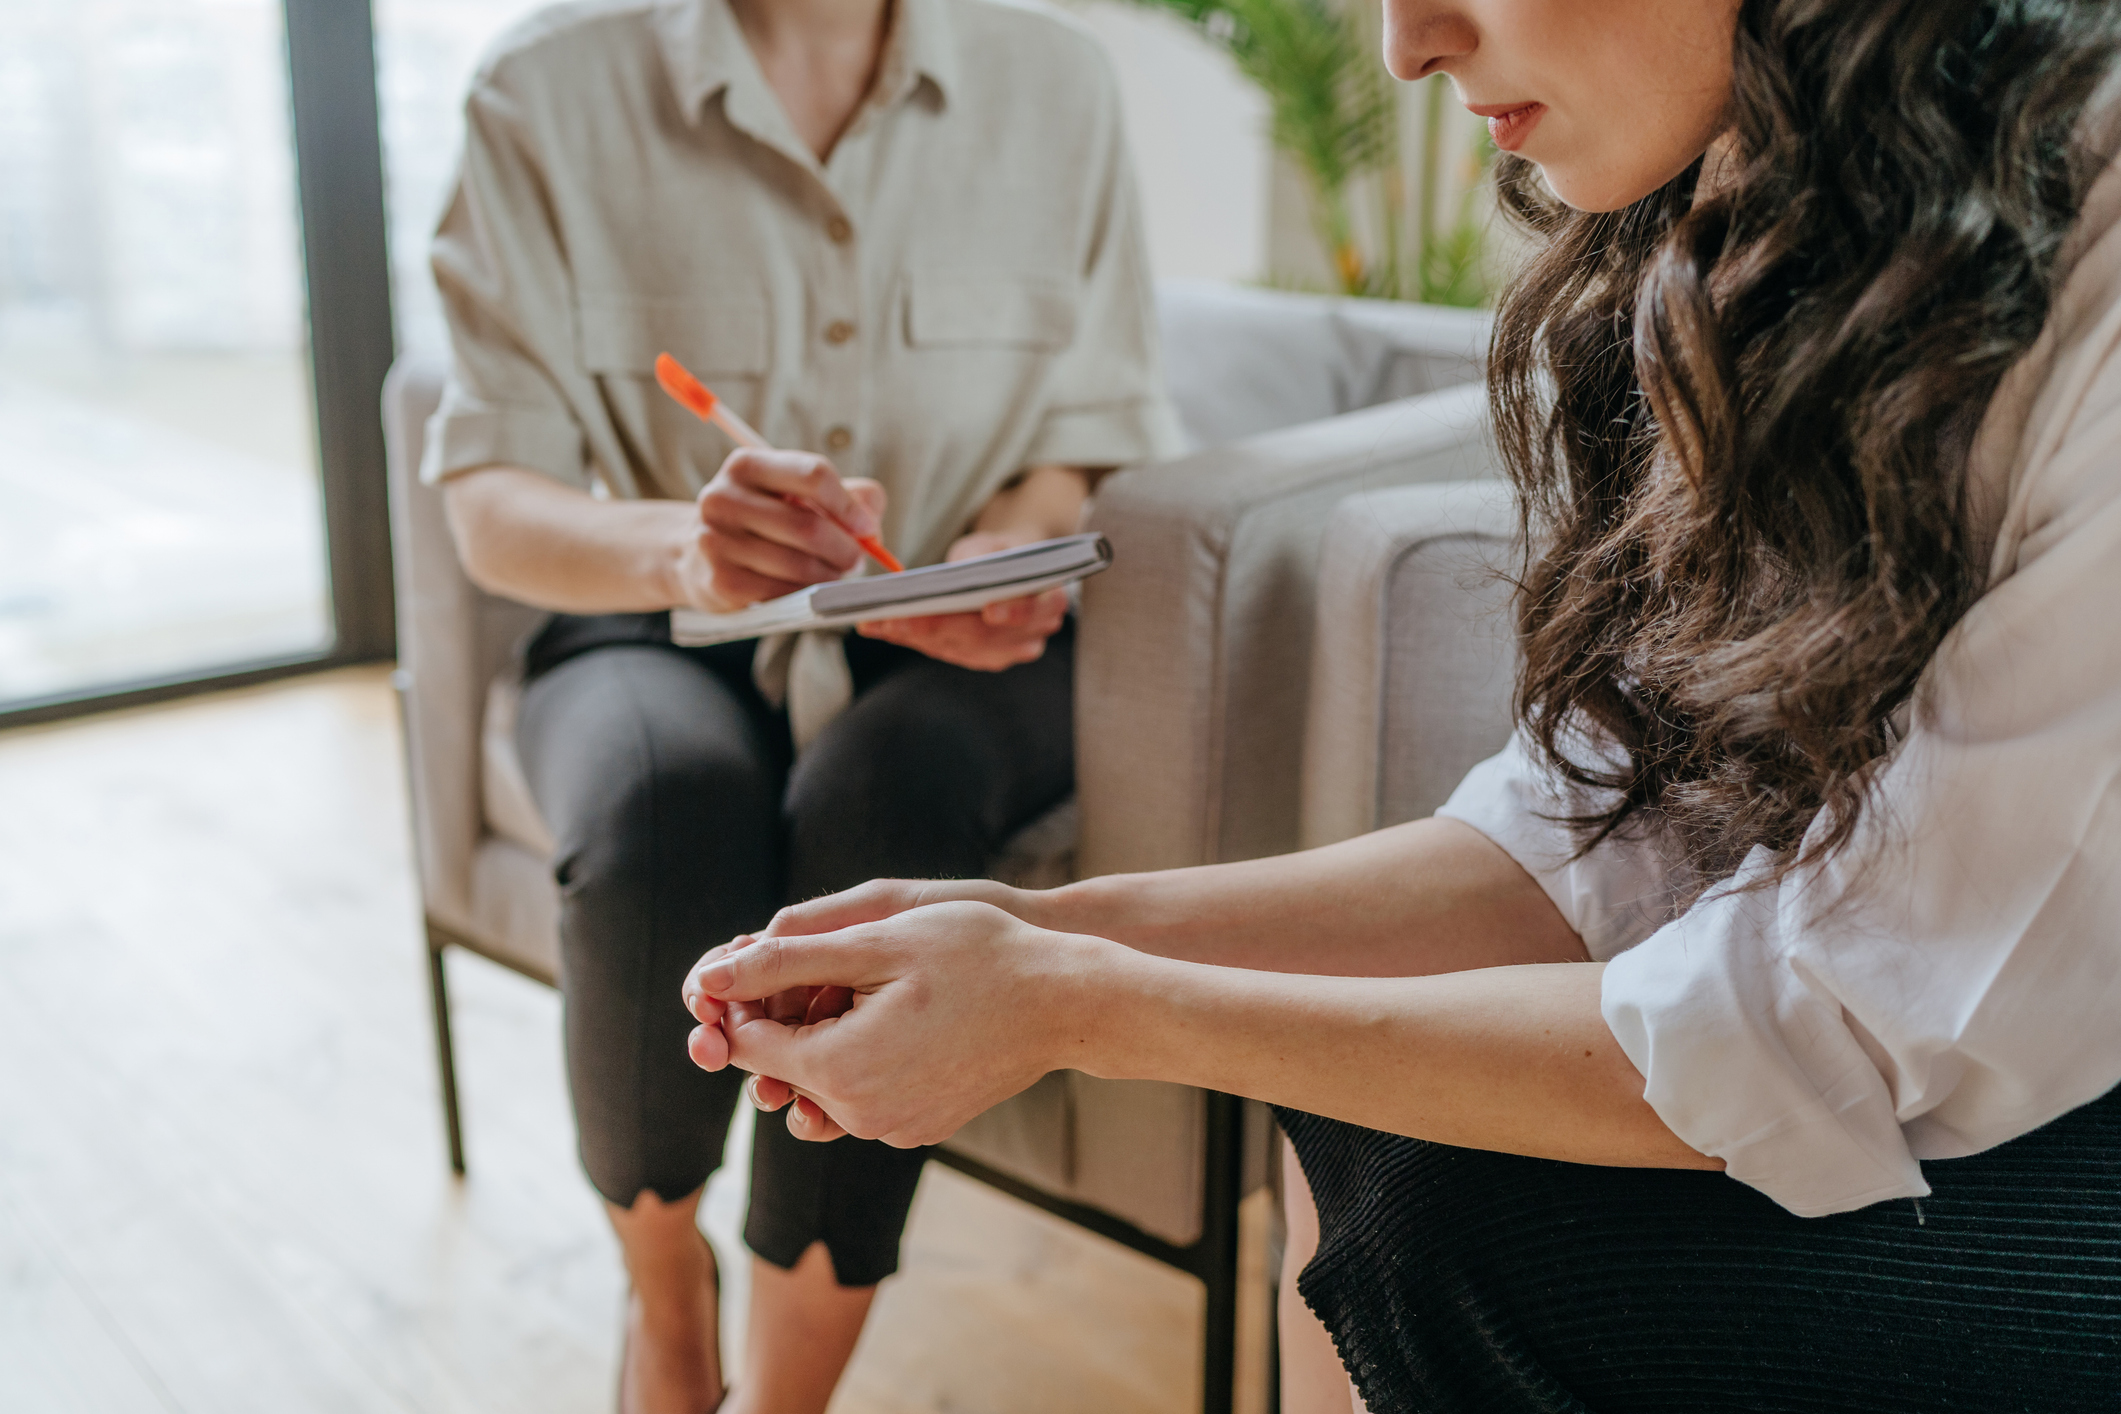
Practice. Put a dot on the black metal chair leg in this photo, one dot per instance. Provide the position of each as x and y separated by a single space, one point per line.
1273 1349
445 1054
1219 1251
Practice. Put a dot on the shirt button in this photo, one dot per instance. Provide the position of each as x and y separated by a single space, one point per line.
839 439
840 229
839 331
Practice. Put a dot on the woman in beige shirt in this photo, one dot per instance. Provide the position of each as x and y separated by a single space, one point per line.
899 236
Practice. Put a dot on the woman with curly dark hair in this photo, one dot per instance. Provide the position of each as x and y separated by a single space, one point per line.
1805 863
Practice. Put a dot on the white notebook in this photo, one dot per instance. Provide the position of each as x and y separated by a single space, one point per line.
953 588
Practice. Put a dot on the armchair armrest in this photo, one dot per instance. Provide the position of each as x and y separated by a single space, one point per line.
1196 646
452 639
1415 654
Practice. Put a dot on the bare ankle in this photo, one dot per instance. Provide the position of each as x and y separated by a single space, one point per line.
673 1342
659 1239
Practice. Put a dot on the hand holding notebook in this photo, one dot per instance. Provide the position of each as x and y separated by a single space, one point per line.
957 587
1011 586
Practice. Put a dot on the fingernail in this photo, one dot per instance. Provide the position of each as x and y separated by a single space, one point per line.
719 976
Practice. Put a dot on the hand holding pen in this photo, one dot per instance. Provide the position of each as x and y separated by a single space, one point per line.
775 521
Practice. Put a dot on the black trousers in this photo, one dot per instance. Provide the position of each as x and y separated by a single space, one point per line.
684 818
1461 1282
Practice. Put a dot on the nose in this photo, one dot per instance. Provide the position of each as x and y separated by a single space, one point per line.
1422 37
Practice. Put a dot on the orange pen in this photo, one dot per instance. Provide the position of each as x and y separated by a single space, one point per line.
678 381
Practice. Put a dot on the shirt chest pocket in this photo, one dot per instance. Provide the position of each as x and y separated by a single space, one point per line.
620 336
1031 313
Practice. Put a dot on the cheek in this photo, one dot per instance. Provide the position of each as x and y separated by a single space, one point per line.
1637 88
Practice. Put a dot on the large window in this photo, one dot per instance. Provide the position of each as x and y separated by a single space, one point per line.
159 500
164 513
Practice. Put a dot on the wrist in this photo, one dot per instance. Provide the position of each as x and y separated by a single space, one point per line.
1091 1004
674 551
1095 906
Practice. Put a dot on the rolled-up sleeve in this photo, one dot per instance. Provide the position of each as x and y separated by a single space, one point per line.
1949 980
1614 896
504 280
1106 405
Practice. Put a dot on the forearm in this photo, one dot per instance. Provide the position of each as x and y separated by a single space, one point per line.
1513 1059
1424 897
529 538
1044 503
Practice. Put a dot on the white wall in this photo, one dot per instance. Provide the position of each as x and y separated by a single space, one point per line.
1220 203
1198 129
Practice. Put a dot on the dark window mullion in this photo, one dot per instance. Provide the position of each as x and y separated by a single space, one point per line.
339 170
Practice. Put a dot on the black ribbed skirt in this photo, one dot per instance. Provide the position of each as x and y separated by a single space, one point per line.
1462 1282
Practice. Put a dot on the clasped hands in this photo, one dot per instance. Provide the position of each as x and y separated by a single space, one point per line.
897 1010
760 535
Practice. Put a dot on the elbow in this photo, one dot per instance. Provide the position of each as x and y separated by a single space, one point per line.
467 505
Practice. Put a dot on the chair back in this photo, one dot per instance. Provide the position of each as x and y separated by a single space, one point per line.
453 638
1240 361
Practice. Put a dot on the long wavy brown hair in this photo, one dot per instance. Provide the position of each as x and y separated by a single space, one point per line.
1741 424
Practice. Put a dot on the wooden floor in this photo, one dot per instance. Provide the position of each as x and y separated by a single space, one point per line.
222 1186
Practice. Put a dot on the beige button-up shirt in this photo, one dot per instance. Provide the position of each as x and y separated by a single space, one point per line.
959 293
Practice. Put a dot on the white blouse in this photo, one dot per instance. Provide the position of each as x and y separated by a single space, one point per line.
1953 978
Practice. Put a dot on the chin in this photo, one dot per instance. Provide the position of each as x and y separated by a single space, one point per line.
1592 191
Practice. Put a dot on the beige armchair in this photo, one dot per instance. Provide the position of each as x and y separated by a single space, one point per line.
1192 667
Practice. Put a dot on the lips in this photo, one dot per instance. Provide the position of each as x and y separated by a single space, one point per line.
1509 123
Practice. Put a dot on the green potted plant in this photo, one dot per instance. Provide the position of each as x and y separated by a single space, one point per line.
1335 111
